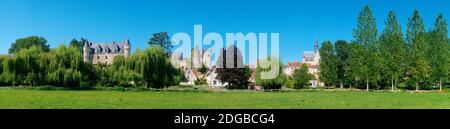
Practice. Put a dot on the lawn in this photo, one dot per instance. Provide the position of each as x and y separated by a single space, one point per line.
97 99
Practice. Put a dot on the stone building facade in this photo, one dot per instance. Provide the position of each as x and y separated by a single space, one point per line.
104 53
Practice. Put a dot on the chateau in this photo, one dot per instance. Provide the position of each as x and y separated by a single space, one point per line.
104 53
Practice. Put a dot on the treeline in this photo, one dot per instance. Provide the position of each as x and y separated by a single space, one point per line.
32 63
419 59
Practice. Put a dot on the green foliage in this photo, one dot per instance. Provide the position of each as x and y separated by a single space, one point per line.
149 67
200 81
356 70
439 52
34 67
393 50
301 77
162 39
275 83
78 44
328 70
418 71
126 77
25 43
343 50
156 68
366 36
366 32
290 83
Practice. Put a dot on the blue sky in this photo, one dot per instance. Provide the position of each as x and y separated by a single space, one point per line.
299 22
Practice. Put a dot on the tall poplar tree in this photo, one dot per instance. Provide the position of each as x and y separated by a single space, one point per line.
392 50
438 52
342 53
328 68
366 35
419 68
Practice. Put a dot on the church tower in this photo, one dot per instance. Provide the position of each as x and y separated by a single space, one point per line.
86 51
316 53
127 48
316 46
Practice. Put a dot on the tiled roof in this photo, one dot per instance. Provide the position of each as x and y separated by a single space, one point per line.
112 48
308 54
293 64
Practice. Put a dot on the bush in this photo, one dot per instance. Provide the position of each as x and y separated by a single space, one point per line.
290 83
275 83
201 81
301 77
72 78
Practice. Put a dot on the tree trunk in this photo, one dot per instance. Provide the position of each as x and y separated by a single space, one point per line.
392 84
342 84
395 84
417 86
350 86
440 84
367 85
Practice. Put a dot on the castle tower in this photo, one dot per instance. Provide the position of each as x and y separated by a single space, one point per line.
86 51
127 48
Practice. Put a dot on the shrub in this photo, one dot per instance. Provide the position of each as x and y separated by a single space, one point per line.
201 81
301 77
274 83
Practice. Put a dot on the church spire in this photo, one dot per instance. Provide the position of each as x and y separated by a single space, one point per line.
316 45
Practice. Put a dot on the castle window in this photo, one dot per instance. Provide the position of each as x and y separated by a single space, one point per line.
106 57
98 57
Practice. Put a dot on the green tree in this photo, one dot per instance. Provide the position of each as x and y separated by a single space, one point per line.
78 44
392 50
439 52
26 66
64 67
366 35
155 67
301 77
162 39
328 64
419 68
357 71
275 83
343 51
25 43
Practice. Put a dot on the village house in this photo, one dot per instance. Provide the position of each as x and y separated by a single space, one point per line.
191 68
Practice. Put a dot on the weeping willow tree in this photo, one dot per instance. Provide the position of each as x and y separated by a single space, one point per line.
149 67
34 67
122 73
156 69
275 83
26 68
64 66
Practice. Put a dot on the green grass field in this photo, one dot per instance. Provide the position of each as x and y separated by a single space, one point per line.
26 99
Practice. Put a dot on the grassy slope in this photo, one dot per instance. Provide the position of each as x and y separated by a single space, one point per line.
21 98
